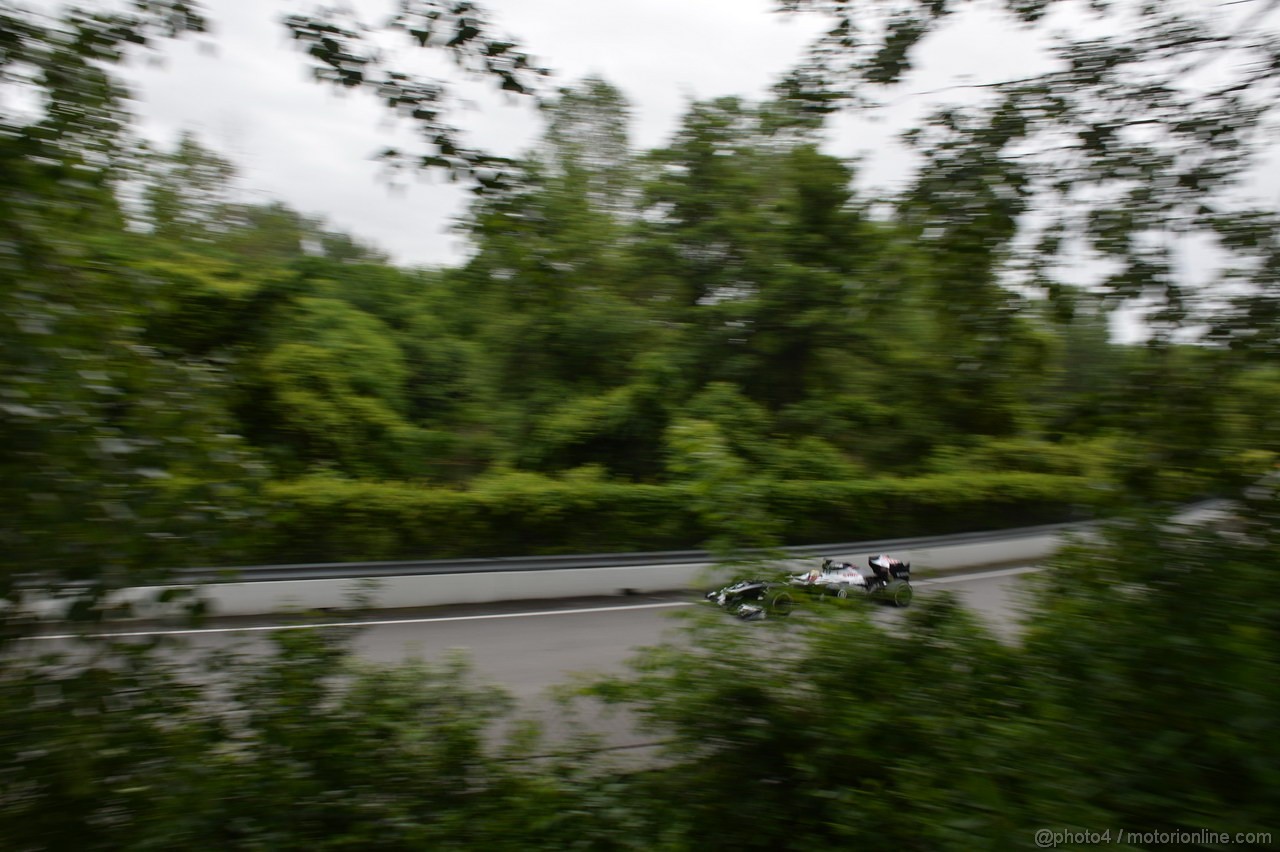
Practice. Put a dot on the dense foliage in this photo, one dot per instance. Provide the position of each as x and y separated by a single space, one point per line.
321 519
723 316
1141 696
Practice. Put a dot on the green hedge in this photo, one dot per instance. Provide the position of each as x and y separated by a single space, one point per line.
339 520
818 512
334 520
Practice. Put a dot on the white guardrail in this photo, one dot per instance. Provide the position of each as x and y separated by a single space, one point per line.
265 590
394 591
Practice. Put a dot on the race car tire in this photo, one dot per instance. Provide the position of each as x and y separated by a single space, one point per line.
900 593
831 591
780 603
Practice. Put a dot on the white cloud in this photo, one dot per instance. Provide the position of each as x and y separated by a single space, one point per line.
249 97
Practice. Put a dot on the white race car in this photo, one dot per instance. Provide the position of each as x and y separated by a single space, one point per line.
885 578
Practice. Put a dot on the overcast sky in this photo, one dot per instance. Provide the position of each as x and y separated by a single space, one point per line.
246 93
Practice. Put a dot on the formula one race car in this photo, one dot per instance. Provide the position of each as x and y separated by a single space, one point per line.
754 600
885 579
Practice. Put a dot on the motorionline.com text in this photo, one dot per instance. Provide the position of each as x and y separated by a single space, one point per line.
1048 838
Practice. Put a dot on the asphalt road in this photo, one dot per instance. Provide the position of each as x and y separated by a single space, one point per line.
530 646
526 653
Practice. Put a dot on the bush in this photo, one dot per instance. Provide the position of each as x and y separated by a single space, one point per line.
320 519
815 512
1096 458
1139 694
334 520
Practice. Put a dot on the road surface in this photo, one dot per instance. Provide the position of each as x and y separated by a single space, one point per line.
530 646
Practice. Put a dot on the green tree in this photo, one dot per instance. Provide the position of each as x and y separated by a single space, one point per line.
1124 700
744 238
559 337
117 460
587 145
1143 133
963 212
779 283
1155 675
188 192
295 746
335 380
859 737
343 53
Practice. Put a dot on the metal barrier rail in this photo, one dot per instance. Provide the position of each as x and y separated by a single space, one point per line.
512 564
265 589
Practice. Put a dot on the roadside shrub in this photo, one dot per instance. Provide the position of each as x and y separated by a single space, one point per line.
333 520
